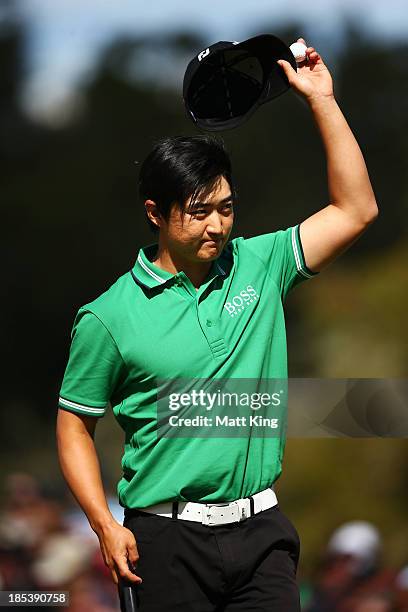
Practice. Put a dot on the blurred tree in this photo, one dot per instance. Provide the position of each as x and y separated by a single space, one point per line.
372 77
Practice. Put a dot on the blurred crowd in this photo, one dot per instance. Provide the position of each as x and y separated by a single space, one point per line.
351 576
47 545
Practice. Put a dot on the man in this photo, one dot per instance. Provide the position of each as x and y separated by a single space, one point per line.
202 530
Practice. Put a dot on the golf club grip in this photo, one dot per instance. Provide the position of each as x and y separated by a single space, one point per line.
127 596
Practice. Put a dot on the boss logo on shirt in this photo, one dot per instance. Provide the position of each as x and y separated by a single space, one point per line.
240 301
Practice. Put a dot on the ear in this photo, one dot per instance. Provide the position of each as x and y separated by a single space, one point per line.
153 213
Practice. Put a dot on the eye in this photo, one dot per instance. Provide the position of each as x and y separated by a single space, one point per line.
198 211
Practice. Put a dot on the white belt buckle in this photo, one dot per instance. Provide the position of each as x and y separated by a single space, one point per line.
244 506
220 515
223 515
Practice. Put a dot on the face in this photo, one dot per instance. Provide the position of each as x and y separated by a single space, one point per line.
204 230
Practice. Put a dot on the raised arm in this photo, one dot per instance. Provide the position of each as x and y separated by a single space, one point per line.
352 206
80 467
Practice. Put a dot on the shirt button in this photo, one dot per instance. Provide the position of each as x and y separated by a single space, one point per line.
208 323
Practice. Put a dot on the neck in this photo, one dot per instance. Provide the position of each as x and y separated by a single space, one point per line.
173 263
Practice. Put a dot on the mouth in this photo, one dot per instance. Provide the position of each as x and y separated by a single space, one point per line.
213 243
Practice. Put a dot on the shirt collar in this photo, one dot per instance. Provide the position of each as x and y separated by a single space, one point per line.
148 274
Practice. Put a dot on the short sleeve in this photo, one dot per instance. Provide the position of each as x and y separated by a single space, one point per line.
94 367
282 254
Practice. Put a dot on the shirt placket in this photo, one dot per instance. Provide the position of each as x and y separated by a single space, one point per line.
211 327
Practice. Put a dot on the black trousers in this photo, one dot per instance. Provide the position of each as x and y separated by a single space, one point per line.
189 567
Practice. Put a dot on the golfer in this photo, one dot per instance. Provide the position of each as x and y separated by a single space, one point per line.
203 530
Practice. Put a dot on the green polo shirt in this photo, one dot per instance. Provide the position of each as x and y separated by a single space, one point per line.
151 325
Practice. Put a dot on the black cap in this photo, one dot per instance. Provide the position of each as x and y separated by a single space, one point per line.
225 84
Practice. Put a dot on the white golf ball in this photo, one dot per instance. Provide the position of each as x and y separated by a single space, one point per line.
299 51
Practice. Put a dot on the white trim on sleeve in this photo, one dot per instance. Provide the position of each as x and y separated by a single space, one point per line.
89 409
297 256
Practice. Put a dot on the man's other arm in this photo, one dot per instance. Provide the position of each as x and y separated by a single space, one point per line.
80 467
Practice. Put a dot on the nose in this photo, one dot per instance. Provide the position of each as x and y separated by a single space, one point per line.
214 224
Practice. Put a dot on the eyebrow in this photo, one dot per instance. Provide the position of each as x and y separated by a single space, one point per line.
223 201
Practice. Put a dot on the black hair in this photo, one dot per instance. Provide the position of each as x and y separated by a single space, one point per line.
183 167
